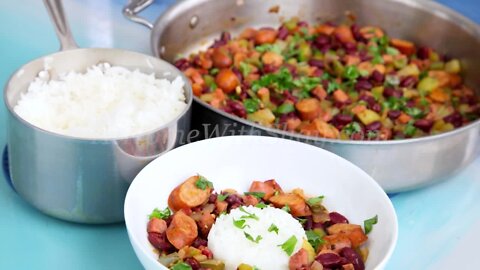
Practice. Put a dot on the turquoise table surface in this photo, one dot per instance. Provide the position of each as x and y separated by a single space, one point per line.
439 225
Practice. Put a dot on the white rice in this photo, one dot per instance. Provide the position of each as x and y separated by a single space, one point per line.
229 243
104 102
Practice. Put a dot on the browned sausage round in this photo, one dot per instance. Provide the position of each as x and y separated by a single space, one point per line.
227 80
182 230
221 58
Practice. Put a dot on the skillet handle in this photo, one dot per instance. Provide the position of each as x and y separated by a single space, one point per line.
135 6
57 14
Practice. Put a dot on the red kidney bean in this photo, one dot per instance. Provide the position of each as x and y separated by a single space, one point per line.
330 260
289 96
308 225
408 81
207 252
423 124
363 85
423 53
236 108
225 36
159 241
356 33
193 263
233 199
376 107
218 43
394 114
369 99
316 63
337 218
302 24
212 198
352 257
269 68
199 242
392 92
374 126
377 77
317 225
364 56
282 32
238 73
182 64
350 47
318 73
292 69
411 103
322 40
343 119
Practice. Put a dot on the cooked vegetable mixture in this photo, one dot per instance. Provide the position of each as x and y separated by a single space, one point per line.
179 232
333 81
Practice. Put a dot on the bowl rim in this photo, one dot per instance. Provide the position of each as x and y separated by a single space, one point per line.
134 240
431 7
187 90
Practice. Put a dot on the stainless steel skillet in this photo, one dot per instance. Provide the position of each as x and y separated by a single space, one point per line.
399 165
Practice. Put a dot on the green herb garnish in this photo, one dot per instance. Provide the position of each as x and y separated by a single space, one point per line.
240 223
409 129
161 214
332 86
273 228
222 197
202 183
261 205
414 112
285 108
368 224
259 195
289 245
351 73
314 239
352 128
251 105
255 240
315 200
245 69
214 71
249 215
286 208
281 80
181 266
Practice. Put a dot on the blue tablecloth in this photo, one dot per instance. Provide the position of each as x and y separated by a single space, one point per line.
438 224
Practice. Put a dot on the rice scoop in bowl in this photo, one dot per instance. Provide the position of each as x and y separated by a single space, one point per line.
346 189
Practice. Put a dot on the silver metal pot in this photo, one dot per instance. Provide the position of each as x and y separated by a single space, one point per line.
75 179
397 165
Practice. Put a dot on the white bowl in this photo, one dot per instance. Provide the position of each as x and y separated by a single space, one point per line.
234 162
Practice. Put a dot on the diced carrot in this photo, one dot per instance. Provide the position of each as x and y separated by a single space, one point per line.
380 68
325 29
263 93
369 32
366 66
340 96
188 195
351 60
387 58
157 225
352 231
299 260
308 108
182 230
250 200
455 80
272 58
358 109
404 118
344 34
197 89
194 75
297 204
319 92
216 103
438 95
293 123
338 241
326 130
404 46
220 94
442 77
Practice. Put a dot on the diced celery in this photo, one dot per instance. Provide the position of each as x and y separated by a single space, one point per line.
410 70
434 56
263 117
338 67
368 116
453 66
427 84
304 52
400 63
377 92
438 65
291 24
213 264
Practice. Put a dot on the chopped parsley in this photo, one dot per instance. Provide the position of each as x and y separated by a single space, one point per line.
414 112
240 223
332 86
273 228
222 197
289 245
214 71
261 205
255 240
249 215
161 214
409 129
269 48
202 183
285 108
314 239
259 195
286 208
352 128
315 200
181 266
251 105
282 80
368 224
245 68
351 73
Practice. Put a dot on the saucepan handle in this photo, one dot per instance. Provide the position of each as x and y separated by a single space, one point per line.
135 6
55 10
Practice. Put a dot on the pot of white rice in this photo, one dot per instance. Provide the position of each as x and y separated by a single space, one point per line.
83 122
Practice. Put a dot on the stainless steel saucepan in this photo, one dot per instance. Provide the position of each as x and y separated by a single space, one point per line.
397 165
82 180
